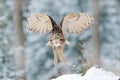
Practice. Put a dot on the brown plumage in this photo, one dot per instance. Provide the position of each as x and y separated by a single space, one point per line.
73 23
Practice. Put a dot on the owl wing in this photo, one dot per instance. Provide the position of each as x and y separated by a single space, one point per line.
40 23
76 22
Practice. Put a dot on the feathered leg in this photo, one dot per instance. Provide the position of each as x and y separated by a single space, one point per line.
55 55
61 54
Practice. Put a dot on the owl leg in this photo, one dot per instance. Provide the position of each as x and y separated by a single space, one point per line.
55 55
61 54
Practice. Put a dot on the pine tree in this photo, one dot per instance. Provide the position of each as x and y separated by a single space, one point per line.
6 51
110 35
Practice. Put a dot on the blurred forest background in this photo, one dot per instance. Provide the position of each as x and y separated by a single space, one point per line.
24 56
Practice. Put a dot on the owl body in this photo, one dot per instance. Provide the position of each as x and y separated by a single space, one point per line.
73 23
57 37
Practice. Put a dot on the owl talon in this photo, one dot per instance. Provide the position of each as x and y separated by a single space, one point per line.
63 60
55 61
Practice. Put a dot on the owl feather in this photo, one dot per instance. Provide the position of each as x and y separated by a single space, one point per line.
76 22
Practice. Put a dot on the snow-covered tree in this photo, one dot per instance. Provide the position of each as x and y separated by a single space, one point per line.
110 34
6 52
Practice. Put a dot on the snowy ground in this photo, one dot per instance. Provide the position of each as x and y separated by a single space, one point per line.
92 74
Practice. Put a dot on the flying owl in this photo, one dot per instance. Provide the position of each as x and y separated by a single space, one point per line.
73 23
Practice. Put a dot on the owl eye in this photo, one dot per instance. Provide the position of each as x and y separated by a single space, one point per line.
51 40
61 39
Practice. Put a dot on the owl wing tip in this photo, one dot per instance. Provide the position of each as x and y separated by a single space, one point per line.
68 42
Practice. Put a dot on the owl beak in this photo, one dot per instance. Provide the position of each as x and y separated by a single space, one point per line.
48 44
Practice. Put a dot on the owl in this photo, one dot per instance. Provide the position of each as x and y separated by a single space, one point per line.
72 23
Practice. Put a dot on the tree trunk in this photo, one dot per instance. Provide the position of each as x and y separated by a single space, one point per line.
95 33
19 40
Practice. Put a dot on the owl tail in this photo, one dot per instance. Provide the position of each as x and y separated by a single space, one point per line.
49 44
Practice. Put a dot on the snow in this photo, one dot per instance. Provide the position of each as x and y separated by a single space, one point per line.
92 74
99 74
70 77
